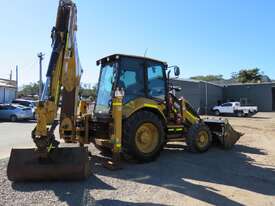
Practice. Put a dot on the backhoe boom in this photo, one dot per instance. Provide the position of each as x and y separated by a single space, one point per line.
48 161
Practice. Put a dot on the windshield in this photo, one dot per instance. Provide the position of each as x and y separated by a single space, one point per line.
104 94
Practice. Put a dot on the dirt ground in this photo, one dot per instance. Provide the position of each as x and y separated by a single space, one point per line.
244 175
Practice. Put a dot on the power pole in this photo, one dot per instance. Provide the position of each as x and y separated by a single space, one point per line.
41 57
16 73
206 98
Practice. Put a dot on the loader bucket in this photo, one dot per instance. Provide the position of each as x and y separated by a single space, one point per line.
70 163
223 132
230 136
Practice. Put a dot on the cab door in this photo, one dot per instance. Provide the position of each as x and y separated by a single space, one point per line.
227 108
4 112
156 87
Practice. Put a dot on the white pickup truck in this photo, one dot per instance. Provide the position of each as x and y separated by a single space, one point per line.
235 108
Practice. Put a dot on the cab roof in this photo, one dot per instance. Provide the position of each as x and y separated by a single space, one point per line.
113 57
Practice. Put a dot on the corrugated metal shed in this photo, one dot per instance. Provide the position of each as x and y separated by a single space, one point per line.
204 95
7 83
259 94
200 94
7 90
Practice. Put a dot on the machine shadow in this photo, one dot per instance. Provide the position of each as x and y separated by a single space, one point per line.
108 202
185 173
73 193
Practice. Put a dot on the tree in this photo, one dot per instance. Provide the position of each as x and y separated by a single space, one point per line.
208 78
88 93
248 75
31 89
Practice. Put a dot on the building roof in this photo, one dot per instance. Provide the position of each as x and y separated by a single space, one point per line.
252 83
7 83
230 82
224 83
197 81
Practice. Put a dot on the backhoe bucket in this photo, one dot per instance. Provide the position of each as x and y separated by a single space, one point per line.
223 132
70 163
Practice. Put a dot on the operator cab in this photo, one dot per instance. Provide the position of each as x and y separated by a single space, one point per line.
137 76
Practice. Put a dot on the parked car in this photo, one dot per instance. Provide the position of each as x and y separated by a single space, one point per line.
235 108
13 112
27 103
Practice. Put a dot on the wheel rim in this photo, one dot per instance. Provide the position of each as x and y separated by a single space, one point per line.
217 113
202 139
13 118
147 137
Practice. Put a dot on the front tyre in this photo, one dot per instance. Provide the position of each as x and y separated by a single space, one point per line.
143 136
199 138
13 118
217 113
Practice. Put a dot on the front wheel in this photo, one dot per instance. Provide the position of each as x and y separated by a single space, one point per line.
34 116
199 138
13 118
217 112
143 136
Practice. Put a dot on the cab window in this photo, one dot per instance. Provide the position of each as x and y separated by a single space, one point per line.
132 81
226 105
156 83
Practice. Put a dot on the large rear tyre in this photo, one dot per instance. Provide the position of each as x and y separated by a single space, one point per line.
199 138
143 136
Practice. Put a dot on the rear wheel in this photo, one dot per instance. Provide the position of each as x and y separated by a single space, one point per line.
199 138
239 113
143 136
13 118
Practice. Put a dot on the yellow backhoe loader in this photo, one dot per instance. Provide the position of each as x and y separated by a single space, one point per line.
135 113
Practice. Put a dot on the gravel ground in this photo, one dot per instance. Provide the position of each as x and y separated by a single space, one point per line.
15 134
244 175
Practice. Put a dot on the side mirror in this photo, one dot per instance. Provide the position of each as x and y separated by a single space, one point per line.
176 71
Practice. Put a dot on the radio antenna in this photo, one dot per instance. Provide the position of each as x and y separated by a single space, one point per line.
145 53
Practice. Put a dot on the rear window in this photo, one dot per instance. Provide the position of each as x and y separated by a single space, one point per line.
24 103
11 107
227 105
7 107
4 107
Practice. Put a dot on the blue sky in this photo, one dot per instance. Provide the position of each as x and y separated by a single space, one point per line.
201 36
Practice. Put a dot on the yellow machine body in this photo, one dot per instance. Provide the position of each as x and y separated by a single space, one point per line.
146 119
